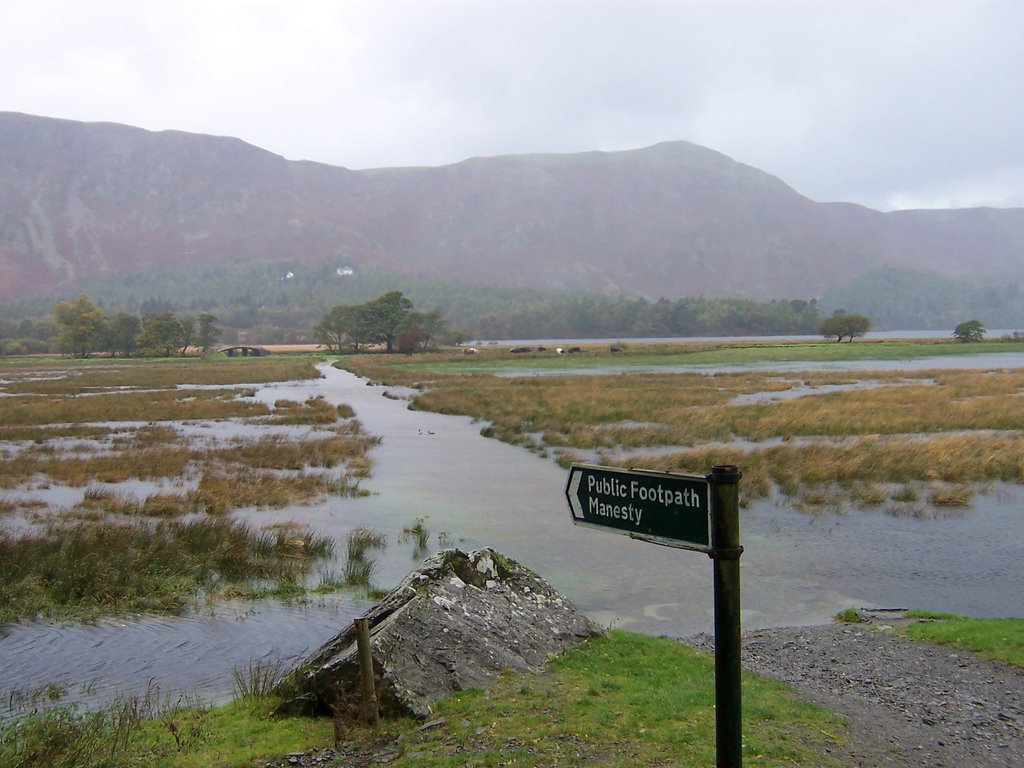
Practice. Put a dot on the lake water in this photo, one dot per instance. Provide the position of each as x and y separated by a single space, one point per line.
797 569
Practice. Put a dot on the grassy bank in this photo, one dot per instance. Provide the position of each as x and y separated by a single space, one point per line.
499 359
145 732
998 639
619 700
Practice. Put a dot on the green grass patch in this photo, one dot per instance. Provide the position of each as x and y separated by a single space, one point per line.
241 733
142 733
619 700
999 639
849 616
498 360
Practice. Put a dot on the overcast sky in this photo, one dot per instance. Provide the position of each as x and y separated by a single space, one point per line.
887 103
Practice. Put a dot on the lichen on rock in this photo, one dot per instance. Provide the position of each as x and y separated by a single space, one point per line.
456 622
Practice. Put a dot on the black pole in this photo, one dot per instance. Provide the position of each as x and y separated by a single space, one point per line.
725 552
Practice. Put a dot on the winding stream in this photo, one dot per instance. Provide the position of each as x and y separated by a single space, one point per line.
797 569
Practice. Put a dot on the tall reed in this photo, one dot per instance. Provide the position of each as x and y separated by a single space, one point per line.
82 570
359 565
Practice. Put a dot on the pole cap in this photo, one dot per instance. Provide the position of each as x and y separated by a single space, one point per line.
724 474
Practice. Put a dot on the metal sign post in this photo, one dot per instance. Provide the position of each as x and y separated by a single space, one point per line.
725 554
688 512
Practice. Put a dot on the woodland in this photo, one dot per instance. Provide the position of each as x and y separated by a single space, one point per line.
282 302
279 303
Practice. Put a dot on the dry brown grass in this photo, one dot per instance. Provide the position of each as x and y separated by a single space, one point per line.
77 471
70 379
950 403
962 428
950 496
868 494
162 405
96 504
271 471
113 423
694 408
316 410
36 433
859 465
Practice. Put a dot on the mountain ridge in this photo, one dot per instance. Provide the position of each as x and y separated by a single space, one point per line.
674 219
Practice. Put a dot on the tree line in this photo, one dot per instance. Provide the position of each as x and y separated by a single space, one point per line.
589 316
352 312
84 329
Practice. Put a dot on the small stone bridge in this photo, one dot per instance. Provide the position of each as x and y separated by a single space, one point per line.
245 351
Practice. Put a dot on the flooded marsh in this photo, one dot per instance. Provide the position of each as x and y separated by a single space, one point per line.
830 521
132 457
795 435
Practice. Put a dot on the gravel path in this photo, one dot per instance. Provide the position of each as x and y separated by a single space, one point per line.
907 703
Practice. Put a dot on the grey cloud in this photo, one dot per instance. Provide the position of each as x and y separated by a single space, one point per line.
875 102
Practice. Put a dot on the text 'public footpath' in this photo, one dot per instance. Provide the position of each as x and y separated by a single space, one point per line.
625 495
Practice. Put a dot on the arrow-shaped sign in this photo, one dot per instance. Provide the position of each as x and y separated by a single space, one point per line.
661 507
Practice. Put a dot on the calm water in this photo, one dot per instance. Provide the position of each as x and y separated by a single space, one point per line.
964 362
798 568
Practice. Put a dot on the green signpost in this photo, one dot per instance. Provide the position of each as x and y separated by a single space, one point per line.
662 507
699 512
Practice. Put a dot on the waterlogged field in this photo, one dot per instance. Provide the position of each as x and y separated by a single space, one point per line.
117 480
914 442
501 360
120 483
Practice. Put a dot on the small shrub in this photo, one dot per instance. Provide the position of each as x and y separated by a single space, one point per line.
849 616
868 494
906 494
257 680
957 496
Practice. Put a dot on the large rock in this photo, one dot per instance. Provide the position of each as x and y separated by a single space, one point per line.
456 622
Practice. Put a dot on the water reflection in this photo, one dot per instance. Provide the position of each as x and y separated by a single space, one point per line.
471 491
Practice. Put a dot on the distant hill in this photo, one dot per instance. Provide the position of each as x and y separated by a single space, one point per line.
82 199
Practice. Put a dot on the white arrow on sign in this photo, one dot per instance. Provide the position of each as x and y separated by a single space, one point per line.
573 492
